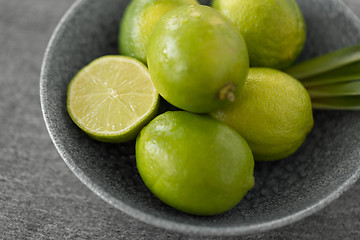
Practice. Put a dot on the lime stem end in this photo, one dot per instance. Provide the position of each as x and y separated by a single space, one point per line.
227 92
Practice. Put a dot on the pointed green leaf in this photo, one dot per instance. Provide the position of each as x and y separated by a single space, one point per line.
325 62
342 74
334 90
337 103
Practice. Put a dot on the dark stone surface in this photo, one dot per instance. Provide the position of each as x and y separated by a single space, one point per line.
41 198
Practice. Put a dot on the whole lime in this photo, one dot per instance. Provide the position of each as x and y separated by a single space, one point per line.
273 114
138 22
274 30
197 59
194 163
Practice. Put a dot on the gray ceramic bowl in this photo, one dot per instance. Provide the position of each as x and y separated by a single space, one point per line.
285 191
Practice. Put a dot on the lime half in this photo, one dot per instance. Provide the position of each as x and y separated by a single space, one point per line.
112 98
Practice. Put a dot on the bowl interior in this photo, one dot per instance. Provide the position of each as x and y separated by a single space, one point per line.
285 191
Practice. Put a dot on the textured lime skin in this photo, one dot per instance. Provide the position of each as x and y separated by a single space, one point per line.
273 114
194 163
138 21
194 52
274 30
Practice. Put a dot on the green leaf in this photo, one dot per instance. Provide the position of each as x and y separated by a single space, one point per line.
325 62
334 90
342 74
337 103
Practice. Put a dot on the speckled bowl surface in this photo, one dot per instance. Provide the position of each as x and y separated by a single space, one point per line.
285 191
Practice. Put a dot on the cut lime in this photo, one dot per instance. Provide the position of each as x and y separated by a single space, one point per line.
112 98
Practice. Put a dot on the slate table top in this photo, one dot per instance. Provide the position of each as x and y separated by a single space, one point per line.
40 198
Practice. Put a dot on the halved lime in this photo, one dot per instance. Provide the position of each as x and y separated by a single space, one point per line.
112 98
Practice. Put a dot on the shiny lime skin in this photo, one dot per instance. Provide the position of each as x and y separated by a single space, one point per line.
193 53
138 21
194 163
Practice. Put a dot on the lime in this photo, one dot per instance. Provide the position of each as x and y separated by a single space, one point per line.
112 98
197 59
194 163
274 30
273 114
138 21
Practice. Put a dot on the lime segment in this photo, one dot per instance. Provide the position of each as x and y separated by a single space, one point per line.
112 98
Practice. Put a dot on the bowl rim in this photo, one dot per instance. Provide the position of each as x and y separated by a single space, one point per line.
149 218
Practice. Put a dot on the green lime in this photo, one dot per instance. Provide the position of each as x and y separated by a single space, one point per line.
138 22
274 30
194 163
273 114
197 59
112 98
